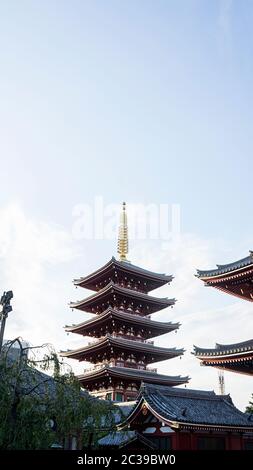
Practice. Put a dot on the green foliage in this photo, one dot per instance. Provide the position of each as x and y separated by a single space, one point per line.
249 408
38 410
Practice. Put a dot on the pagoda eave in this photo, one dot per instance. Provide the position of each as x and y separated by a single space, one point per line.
112 293
128 374
121 319
108 346
115 269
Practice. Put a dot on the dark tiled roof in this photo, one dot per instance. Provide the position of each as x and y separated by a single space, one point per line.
225 349
129 293
117 438
119 411
193 406
125 266
124 316
125 407
121 438
122 343
36 383
226 268
141 375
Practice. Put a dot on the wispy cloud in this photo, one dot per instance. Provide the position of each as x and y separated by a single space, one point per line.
207 316
33 255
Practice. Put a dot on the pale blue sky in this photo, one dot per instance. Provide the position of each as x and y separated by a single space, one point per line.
155 94
140 101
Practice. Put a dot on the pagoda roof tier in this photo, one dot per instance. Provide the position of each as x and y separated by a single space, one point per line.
186 409
127 374
236 357
111 318
123 270
235 278
108 346
113 294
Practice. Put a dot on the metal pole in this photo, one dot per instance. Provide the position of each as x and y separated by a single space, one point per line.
221 382
2 330
7 308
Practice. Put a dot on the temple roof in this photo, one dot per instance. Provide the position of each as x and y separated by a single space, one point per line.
92 280
121 344
234 278
225 349
132 319
226 268
131 374
236 357
109 292
180 407
122 438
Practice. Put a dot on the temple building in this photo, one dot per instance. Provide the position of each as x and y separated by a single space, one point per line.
121 324
233 357
236 279
165 418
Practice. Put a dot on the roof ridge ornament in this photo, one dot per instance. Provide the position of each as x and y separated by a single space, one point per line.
123 235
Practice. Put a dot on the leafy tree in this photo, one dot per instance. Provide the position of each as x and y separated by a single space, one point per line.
38 410
249 408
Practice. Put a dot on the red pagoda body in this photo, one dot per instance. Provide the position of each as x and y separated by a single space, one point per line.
121 324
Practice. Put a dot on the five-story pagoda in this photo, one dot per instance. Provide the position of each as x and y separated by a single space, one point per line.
121 322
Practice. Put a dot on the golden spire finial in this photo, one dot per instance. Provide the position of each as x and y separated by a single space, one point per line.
123 235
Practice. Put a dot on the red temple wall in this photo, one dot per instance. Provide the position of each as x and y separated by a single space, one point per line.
190 441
